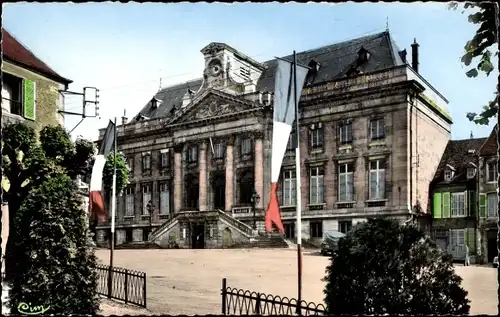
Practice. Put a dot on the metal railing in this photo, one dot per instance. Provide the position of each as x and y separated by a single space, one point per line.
126 285
245 302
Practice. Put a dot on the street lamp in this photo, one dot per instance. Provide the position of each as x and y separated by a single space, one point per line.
255 200
150 207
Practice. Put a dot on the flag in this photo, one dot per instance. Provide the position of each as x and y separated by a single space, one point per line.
96 201
283 118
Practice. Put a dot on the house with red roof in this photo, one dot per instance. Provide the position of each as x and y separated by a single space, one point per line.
30 88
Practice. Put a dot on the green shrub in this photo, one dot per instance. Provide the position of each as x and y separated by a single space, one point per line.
55 267
383 267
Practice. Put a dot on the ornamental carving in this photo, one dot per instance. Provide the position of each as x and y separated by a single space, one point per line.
213 109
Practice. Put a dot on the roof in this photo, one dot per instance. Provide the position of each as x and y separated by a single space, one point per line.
335 61
16 52
490 147
458 156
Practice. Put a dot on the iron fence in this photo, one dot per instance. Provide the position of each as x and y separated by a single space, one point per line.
245 302
122 284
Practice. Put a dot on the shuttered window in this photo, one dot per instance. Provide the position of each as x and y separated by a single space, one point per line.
446 205
483 205
29 99
437 211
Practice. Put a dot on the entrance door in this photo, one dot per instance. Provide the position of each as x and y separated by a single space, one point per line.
192 192
198 236
219 188
458 244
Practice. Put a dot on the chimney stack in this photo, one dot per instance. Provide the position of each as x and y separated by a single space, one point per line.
414 55
124 118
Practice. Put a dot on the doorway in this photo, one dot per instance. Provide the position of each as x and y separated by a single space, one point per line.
198 236
192 192
219 190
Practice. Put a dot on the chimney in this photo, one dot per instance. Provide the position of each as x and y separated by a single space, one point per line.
414 55
124 118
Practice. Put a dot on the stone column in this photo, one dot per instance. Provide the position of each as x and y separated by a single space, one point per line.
178 177
259 169
229 173
202 162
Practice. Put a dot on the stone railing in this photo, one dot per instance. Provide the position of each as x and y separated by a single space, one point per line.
243 227
241 210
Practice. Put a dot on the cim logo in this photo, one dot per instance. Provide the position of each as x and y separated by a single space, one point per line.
27 309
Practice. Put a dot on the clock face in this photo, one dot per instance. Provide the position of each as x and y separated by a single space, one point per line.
215 67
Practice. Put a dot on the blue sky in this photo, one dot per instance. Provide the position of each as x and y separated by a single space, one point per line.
124 49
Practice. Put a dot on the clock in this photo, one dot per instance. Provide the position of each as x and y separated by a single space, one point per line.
215 67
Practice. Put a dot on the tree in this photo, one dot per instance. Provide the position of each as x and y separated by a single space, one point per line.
27 163
55 265
480 51
382 267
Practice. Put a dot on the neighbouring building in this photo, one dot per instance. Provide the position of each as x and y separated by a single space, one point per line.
372 132
488 198
30 94
454 203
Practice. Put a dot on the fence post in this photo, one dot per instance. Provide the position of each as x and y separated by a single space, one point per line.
145 290
110 281
257 305
126 286
224 295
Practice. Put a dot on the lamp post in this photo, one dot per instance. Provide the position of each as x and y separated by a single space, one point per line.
255 200
150 206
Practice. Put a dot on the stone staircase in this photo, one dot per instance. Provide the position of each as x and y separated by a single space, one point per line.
267 241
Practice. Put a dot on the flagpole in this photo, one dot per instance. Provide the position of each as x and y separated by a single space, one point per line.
298 199
113 201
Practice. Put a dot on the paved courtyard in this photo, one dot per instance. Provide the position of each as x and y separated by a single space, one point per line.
189 281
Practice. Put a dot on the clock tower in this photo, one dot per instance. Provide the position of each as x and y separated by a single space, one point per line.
229 70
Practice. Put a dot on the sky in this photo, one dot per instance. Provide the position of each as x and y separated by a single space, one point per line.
128 50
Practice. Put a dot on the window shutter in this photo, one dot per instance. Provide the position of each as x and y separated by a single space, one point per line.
29 99
483 205
437 210
470 239
446 205
471 202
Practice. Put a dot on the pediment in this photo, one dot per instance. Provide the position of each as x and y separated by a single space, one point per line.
213 104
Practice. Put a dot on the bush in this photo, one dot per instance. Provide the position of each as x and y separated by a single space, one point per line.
55 267
384 268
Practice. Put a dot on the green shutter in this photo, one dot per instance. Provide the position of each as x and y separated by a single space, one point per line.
483 205
29 100
446 205
470 239
471 202
437 210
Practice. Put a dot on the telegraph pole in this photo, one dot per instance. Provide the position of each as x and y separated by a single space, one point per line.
85 103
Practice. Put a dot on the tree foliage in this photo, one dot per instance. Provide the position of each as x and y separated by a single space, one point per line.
122 172
28 162
384 268
55 266
479 51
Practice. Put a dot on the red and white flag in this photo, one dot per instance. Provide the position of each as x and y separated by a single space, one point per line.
283 119
96 200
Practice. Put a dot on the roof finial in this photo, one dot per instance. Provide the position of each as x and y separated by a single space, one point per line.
471 135
387 24
159 88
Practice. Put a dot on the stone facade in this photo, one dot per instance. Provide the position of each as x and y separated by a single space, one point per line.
387 125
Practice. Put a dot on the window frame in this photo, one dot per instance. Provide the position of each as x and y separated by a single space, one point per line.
290 177
192 154
317 173
380 171
246 142
161 189
448 174
129 201
380 129
346 137
471 175
454 204
495 172
219 146
146 162
317 230
165 159
347 223
316 137
15 83
348 171
145 192
488 214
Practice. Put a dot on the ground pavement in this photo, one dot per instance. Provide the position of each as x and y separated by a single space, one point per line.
189 281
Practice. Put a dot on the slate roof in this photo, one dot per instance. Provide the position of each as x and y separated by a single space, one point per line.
14 51
490 147
335 61
457 155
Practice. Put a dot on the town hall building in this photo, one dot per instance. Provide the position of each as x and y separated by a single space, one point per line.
372 132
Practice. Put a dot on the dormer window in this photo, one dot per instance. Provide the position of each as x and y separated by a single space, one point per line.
471 172
155 103
314 66
448 174
363 55
353 71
